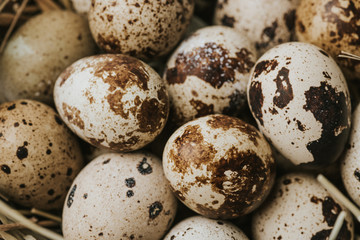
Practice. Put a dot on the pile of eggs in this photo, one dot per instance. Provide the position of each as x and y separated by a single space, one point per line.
138 120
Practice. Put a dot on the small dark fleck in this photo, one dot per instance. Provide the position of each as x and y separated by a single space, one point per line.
144 168
155 209
22 185
23 103
71 196
11 107
22 152
101 234
129 193
69 172
106 161
85 195
48 152
357 174
16 124
130 182
51 192
287 181
5 169
324 53
220 223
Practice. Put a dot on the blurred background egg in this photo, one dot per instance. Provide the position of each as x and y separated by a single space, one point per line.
198 227
334 26
219 166
208 73
119 196
300 100
40 157
299 208
112 101
266 23
39 51
144 29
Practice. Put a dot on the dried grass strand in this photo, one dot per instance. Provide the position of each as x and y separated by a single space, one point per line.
13 24
18 226
348 55
46 215
3 4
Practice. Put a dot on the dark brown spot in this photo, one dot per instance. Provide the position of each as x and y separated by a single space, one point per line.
106 161
16 124
130 193
256 99
144 167
109 17
236 103
73 115
117 105
201 108
191 150
151 114
227 21
155 210
357 174
124 145
210 63
267 35
300 126
11 107
286 181
48 152
69 171
6 169
289 18
66 74
301 26
330 109
326 75
130 182
123 72
315 200
265 66
22 152
284 92
109 43
51 192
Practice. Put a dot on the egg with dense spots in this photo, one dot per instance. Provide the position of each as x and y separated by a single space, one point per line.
39 157
300 100
208 73
300 206
144 29
112 101
219 166
137 197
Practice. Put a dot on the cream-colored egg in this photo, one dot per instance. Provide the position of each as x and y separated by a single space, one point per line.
81 6
334 26
39 51
198 227
267 23
208 73
300 100
145 29
219 166
350 163
299 208
39 157
119 196
112 101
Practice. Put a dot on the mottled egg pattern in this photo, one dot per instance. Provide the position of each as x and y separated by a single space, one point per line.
119 196
332 25
57 39
208 73
301 103
299 207
198 227
350 163
269 23
219 166
117 27
112 101
39 156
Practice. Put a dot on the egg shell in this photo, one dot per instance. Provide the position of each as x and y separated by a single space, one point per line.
112 101
334 26
117 27
300 100
39 158
198 227
119 196
264 21
208 73
219 166
81 6
39 51
299 208
350 163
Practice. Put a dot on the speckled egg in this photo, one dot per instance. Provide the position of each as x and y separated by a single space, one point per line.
332 25
119 196
267 23
300 100
39 156
198 227
39 51
145 29
299 208
219 166
112 101
208 73
350 163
